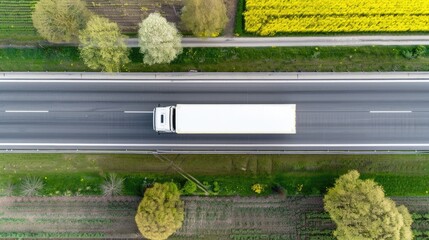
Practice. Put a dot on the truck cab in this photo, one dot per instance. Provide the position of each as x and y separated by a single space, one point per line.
163 119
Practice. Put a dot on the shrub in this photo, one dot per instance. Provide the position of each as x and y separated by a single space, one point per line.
8 189
419 51
416 52
113 185
279 189
258 188
145 185
31 186
190 187
216 187
407 54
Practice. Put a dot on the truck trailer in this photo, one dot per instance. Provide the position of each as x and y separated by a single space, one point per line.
225 119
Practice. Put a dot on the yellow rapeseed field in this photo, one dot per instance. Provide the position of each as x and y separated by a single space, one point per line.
268 17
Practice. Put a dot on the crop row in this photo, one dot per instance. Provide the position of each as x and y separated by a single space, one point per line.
277 16
49 235
260 237
311 7
341 24
15 16
76 221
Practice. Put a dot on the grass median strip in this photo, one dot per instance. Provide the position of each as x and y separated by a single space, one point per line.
70 174
288 59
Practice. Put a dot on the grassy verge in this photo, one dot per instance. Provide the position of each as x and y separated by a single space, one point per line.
63 174
311 59
239 19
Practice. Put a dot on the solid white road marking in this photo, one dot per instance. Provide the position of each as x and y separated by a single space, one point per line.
216 145
210 81
390 111
138 112
26 111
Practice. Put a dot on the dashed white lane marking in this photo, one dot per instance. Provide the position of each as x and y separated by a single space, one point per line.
138 112
26 111
390 111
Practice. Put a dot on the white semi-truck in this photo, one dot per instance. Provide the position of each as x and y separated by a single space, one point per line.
225 119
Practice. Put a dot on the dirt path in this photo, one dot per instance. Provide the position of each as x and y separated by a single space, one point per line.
231 6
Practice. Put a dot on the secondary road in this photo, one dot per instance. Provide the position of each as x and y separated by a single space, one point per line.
335 111
303 41
358 40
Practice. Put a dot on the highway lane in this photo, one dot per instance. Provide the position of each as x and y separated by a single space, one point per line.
332 113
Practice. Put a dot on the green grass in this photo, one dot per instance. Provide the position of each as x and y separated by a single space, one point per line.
311 59
400 175
239 19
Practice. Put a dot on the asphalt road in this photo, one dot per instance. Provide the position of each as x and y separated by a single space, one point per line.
358 40
362 40
379 111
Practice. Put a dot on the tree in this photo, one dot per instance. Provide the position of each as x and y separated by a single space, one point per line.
60 20
102 46
361 211
159 40
204 18
161 212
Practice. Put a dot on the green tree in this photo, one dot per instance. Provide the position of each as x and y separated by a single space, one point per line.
102 46
159 40
361 211
204 18
60 20
161 212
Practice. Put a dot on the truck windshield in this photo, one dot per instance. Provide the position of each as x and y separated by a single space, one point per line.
174 119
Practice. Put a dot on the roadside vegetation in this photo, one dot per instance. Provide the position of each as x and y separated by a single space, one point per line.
205 20
253 175
305 59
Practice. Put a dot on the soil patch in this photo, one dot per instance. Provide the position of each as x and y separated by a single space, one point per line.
231 7
129 13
